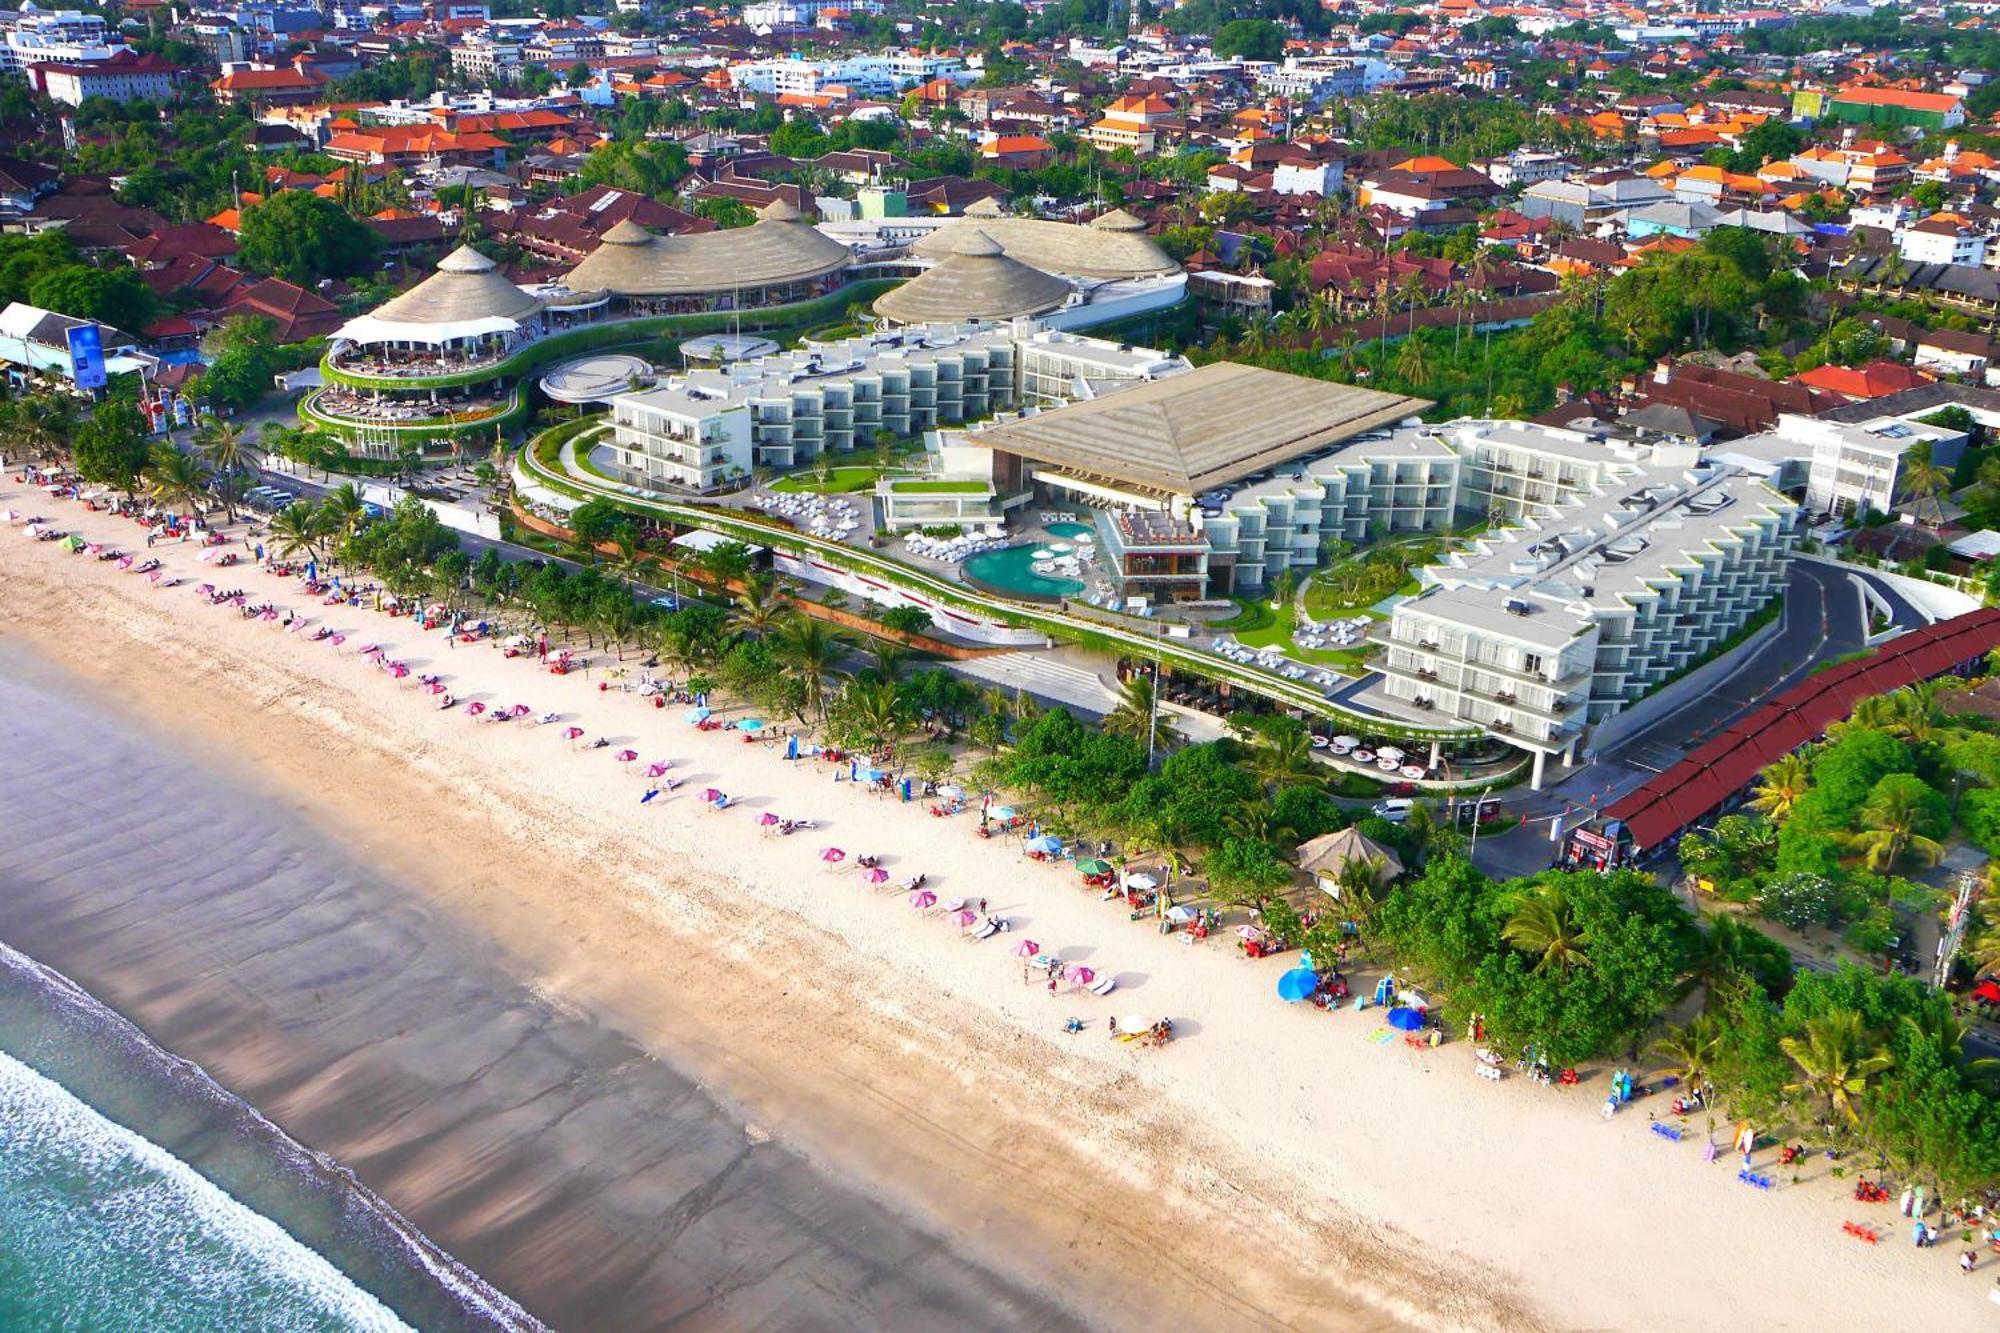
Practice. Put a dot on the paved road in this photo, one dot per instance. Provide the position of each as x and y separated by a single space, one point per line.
1824 617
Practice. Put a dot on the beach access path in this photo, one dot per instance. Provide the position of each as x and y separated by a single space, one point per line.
1275 1166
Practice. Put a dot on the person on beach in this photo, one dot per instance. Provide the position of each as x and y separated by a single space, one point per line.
1967 1262
1903 1203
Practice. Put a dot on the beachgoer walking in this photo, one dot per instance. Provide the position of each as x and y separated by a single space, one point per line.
1903 1203
1052 985
1967 1262
982 907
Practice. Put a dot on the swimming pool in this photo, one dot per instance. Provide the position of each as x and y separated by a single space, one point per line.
1010 570
1071 530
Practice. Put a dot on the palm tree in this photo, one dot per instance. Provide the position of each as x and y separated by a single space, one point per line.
223 446
299 529
1413 363
810 648
627 562
1892 824
1722 962
1283 755
176 480
759 608
876 709
1137 714
1690 1050
1781 787
1252 820
1916 711
1921 483
43 423
1836 1058
345 511
1543 922
890 658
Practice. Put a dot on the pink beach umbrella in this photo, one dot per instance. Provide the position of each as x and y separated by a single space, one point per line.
923 898
569 733
205 589
269 613
627 756
768 820
337 640
153 576
1027 949
237 600
124 562
399 671
1079 976
369 649
475 709
830 855
711 794
658 769
877 875
1249 933
965 919
435 687
519 710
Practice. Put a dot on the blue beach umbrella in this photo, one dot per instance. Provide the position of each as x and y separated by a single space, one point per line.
695 715
1404 1019
750 724
1048 844
1297 984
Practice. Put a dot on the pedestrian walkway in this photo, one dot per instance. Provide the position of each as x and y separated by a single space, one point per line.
1046 676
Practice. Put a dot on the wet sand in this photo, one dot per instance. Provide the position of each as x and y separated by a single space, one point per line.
550 1152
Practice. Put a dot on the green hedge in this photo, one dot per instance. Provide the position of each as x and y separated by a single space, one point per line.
418 432
596 337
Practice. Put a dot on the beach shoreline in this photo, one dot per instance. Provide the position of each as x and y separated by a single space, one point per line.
1272 1168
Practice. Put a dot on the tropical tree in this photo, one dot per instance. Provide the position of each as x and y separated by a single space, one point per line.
810 648
875 710
1780 788
298 530
1282 755
176 480
891 658
223 446
1137 713
1921 482
627 561
760 607
1691 1050
1541 921
1836 1058
1894 822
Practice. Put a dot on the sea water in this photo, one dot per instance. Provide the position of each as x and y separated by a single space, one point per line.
101 1229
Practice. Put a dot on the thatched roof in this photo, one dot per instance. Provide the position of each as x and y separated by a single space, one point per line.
1113 246
466 287
779 247
978 281
1186 433
1327 854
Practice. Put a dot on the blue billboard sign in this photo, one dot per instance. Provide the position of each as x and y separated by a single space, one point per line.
86 355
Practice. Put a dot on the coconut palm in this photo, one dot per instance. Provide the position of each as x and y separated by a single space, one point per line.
1690 1050
875 709
1892 825
1920 483
627 562
42 423
176 480
1137 713
345 511
760 607
1413 362
1542 922
1283 755
298 530
1836 1058
1915 712
810 648
1723 962
1781 787
891 658
223 447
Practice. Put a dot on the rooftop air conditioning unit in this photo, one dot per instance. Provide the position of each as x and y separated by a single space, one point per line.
1518 607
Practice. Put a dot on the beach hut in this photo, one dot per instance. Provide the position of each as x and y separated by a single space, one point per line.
1331 856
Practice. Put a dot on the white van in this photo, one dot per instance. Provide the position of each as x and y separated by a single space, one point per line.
1393 811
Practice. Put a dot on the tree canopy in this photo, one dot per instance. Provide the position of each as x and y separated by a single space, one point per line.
303 237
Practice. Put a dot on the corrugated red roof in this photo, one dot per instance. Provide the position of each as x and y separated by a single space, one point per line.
1698 784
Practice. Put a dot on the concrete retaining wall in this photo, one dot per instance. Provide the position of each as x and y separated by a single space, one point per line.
462 518
1933 599
1629 723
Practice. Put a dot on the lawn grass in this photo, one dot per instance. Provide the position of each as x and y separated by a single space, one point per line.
839 481
939 487
1259 625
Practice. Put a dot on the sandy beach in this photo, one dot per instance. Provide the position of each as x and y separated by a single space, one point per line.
1273 1167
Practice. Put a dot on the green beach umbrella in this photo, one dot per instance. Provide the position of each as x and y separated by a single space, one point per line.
1094 867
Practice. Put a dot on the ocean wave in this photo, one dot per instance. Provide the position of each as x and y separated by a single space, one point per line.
325 1239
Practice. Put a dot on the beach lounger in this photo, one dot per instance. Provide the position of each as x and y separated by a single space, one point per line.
1103 985
986 929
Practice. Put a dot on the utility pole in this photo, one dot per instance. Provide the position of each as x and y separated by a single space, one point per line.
1954 927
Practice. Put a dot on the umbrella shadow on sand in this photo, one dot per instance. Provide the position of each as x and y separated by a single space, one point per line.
1132 980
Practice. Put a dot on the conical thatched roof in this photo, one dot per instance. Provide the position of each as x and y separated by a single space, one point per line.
1327 855
989 207
781 246
467 286
1095 251
978 281
1117 220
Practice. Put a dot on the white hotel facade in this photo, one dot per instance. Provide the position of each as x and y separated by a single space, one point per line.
1535 632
